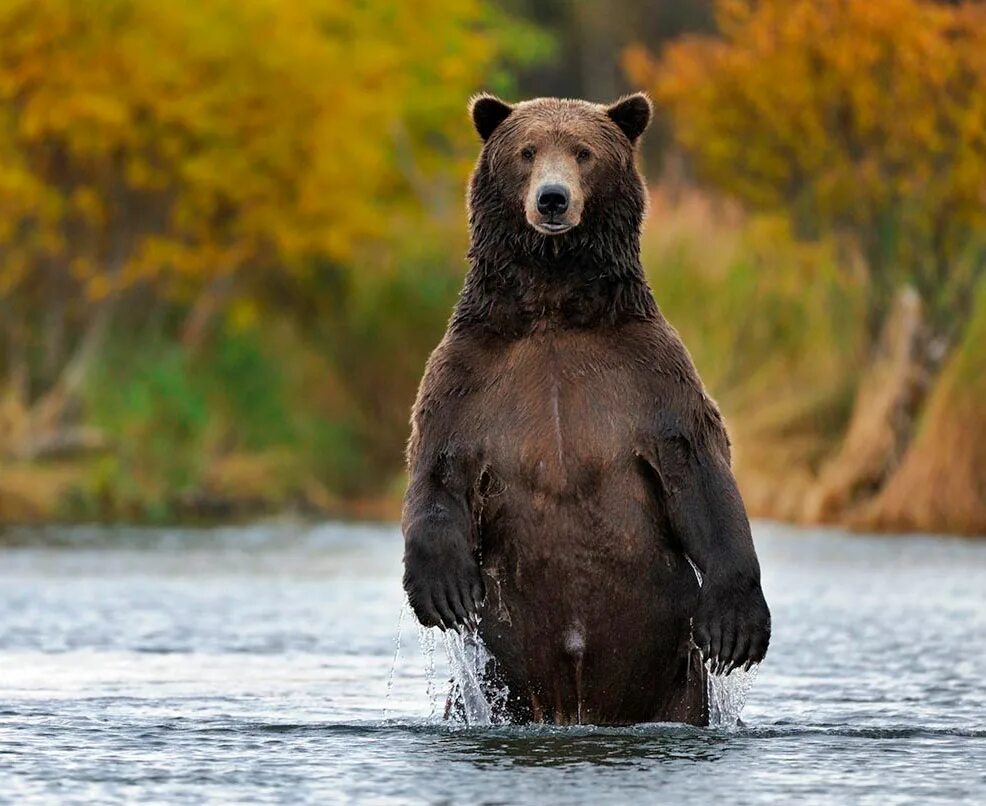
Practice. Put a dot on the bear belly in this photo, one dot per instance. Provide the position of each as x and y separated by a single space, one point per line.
588 606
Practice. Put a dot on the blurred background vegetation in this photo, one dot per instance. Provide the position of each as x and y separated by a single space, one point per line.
230 233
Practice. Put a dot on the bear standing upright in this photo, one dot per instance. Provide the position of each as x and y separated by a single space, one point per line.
567 469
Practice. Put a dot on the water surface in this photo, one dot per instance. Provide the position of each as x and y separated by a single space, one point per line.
252 664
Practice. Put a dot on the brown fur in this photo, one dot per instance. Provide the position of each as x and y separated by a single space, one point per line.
565 460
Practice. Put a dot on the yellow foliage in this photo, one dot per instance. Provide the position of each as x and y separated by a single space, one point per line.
181 141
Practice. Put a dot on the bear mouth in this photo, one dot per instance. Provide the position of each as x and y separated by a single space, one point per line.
552 227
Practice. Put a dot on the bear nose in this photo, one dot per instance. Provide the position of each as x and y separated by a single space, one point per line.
552 199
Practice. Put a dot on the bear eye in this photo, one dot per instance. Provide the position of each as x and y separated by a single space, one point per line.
527 153
583 155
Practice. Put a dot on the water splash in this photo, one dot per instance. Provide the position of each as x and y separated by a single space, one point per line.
727 695
475 699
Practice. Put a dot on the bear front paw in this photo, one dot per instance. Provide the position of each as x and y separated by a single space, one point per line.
732 626
443 584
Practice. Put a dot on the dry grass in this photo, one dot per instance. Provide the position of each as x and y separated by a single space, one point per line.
941 483
31 492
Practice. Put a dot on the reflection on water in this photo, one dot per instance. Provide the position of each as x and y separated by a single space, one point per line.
257 664
626 748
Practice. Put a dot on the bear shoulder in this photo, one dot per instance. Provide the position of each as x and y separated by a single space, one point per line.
683 409
451 374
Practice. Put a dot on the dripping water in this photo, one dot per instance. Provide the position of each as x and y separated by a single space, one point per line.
397 656
727 695
426 640
474 699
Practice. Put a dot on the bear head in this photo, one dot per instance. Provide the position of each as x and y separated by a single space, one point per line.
557 169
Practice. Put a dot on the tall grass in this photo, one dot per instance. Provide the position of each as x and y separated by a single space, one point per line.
774 324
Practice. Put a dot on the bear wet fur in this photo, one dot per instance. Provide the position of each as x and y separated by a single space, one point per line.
567 469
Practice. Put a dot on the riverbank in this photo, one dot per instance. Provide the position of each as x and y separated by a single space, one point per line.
265 416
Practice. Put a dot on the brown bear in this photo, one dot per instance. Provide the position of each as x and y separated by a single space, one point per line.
570 479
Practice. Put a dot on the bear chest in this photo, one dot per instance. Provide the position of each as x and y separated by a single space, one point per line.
559 414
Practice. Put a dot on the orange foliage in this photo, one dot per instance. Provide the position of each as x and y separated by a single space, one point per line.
853 117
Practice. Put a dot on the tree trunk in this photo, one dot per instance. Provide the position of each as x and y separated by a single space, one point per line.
47 413
887 402
941 483
210 302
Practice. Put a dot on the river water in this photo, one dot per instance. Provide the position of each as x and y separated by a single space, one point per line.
257 664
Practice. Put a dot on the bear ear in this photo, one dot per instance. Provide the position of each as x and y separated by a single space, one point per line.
631 114
487 113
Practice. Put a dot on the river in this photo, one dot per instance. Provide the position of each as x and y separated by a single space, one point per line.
258 664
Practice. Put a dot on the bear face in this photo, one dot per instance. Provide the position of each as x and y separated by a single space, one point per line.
552 165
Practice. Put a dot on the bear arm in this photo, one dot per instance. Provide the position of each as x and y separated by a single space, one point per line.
441 570
703 506
707 517
436 501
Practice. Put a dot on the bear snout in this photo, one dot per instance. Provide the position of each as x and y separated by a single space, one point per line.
553 205
552 200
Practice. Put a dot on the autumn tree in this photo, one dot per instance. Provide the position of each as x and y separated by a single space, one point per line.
860 119
190 152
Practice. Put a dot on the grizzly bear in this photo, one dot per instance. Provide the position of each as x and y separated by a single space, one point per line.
570 494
